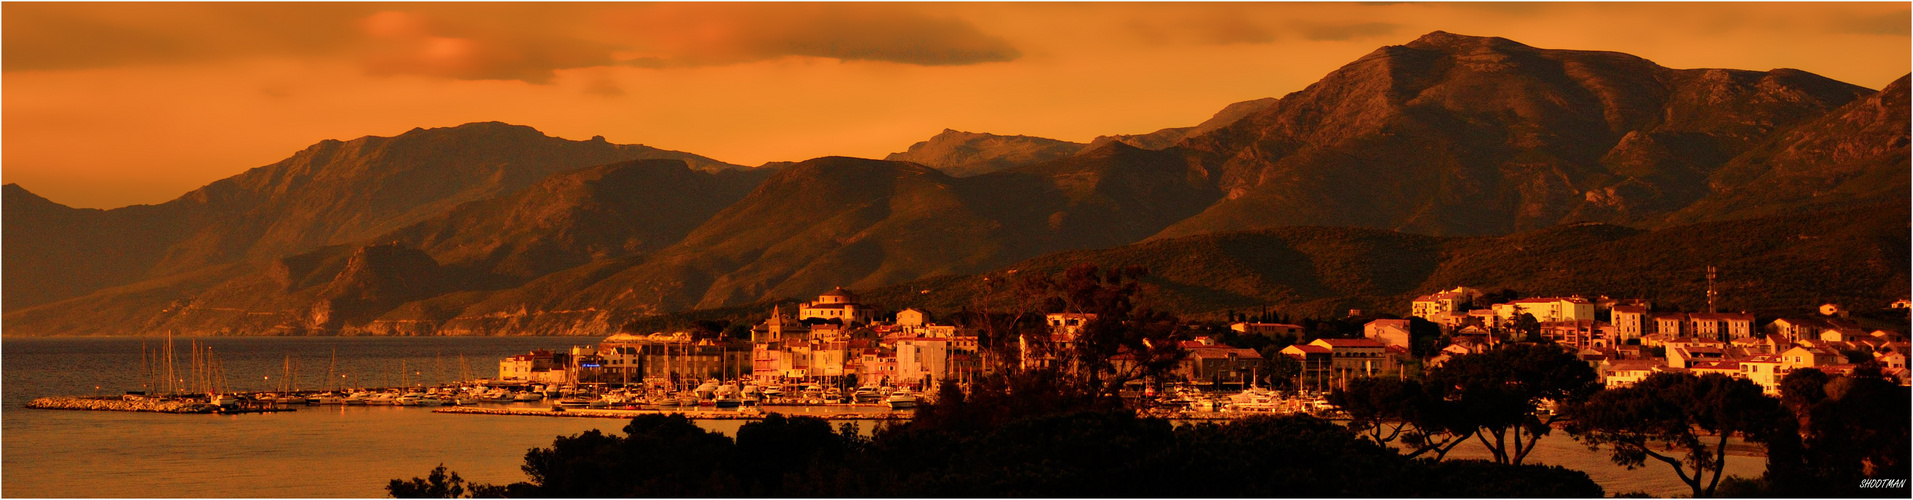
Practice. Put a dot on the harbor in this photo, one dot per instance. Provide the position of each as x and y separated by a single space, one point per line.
350 450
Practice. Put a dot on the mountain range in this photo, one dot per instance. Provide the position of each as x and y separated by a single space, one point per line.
1422 158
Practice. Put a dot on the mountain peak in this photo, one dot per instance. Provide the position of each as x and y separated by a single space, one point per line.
477 128
1442 40
963 154
18 197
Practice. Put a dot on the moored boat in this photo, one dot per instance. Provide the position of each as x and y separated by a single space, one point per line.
903 399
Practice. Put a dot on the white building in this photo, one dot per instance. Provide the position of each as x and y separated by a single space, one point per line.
1438 306
1546 309
1392 332
838 304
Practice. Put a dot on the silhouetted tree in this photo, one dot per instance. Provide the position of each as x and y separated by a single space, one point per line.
437 484
1667 412
1146 340
1385 410
1499 393
1838 430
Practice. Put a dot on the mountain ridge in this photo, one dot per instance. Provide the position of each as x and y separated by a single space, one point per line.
1443 139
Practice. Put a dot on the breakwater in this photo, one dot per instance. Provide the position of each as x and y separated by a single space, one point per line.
694 414
127 403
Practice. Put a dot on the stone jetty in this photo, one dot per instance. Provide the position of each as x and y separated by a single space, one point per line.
693 414
127 403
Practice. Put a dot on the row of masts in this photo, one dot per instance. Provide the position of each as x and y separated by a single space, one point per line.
205 372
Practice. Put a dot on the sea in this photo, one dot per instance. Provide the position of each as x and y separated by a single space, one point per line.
354 451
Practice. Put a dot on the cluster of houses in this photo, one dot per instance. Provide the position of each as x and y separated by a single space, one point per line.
836 338
1634 341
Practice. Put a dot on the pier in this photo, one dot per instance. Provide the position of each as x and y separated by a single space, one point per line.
146 404
153 405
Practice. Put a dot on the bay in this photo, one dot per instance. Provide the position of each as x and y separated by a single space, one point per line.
325 451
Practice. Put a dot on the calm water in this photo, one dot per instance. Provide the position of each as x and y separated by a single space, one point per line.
336 451
314 452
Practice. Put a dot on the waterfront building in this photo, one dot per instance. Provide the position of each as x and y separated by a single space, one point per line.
539 367
1209 363
1316 362
1356 357
630 358
922 362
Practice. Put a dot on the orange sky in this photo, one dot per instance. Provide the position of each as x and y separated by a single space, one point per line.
113 104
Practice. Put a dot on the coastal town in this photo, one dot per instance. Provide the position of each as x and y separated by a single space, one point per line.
836 349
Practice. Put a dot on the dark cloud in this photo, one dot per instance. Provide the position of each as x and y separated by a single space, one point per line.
1889 23
527 42
56 36
706 34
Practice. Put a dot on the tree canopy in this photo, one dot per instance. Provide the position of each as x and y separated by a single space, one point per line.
1664 416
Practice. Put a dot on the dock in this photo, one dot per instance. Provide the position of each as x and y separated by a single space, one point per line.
692 414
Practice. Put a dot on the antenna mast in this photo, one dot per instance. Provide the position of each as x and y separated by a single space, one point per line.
1712 295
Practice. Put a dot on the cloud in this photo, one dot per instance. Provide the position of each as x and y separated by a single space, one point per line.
408 43
527 42
712 34
60 36
1887 23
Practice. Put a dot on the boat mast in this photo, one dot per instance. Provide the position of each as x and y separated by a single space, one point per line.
170 388
331 368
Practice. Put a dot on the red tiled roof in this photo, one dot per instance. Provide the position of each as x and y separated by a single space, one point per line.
1311 349
1636 364
1630 309
1714 365
1278 325
1720 316
1350 342
1223 352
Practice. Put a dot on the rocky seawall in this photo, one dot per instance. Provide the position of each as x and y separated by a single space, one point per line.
122 404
